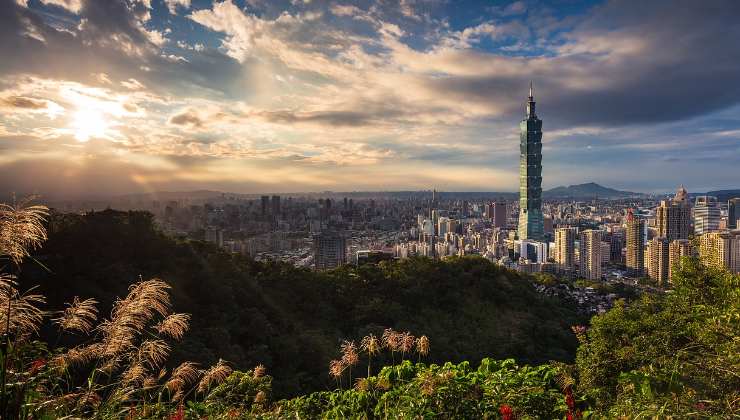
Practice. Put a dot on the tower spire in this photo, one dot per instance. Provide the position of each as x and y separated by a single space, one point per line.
530 101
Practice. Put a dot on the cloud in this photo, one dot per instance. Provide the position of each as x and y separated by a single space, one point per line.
188 117
345 10
73 6
172 5
392 85
22 104
111 38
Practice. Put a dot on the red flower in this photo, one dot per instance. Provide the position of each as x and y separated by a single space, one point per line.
570 401
506 412
179 414
37 365
569 416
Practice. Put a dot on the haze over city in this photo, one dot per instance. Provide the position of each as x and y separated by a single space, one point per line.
113 97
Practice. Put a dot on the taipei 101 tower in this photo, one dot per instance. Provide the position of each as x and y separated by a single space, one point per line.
531 225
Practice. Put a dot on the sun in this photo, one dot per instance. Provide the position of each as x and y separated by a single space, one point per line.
89 122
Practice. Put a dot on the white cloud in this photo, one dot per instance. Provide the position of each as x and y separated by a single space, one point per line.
156 37
344 10
73 6
173 5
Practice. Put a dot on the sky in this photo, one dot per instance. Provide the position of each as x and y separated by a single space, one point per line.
101 97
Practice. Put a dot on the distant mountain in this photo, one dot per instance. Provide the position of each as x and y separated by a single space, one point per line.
588 190
172 195
723 195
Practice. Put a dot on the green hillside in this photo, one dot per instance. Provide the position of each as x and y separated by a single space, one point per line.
292 320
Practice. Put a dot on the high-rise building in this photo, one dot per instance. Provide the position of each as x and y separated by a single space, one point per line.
499 214
565 252
442 226
673 217
265 204
589 251
733 213
635 246
452 225
215 236
530 174
676 251
605 252
658 260
706 214
548 225
275 205
329 250
616 245
721 250
533 251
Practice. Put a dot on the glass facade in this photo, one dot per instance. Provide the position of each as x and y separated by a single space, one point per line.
531 223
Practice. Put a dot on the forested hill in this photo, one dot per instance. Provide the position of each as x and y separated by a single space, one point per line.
291 319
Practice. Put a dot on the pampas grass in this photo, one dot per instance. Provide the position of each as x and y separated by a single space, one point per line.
174 326
19 313
21 229
183 375
370 345
79 316
214 375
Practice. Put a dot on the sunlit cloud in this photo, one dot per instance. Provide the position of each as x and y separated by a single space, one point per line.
346 95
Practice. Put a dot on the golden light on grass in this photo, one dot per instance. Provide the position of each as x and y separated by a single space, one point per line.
422 345
174 326
21 229
183 375
336 367
79 316
214 375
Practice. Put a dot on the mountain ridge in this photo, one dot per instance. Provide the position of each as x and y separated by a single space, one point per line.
588 190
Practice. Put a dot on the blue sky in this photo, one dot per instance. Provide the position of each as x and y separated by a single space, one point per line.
117 96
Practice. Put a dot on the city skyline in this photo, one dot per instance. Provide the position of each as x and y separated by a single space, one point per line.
251 97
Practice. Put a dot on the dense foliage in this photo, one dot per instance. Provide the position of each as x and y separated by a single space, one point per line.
448 391
676 353
292 320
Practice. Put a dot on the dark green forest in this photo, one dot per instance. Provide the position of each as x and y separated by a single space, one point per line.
292 320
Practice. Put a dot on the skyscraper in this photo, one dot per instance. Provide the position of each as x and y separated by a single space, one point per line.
265 204
635 248
565 248
499 214
530 174
673 217
733 213
589 250
275 205
658 257
329 250
720 249
706 214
